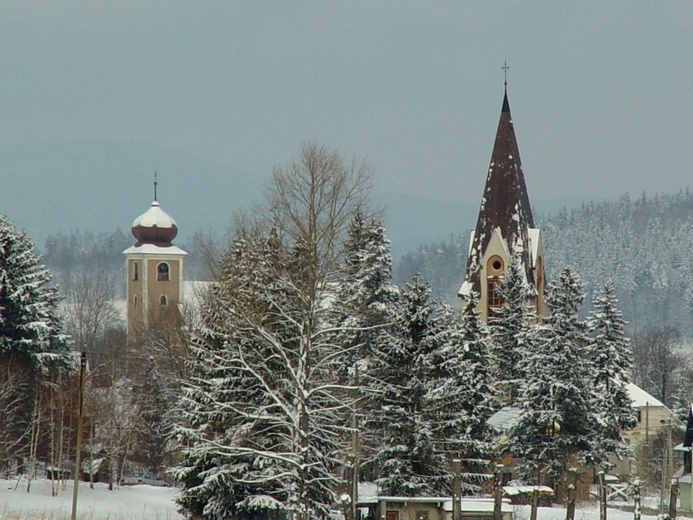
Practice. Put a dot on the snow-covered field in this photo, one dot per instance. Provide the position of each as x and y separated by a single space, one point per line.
156 503
126 503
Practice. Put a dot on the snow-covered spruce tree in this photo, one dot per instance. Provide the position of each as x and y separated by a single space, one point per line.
460 394
558 425
510 325
364 319
219 476
428 380
264 410
32 344
406 462
611 358
366 292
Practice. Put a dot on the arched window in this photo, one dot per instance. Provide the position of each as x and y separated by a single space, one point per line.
163 272
134 300
495 269
163 300
135 271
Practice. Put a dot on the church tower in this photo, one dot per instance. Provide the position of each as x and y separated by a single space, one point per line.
154 269
505 227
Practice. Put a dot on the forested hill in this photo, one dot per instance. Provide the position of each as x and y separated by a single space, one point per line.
644 246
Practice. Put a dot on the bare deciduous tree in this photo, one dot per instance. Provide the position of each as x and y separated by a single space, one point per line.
263 391
656 362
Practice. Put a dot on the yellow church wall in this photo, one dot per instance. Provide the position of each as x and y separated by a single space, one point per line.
144 293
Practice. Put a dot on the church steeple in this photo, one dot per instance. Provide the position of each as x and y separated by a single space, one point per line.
154 272
505 226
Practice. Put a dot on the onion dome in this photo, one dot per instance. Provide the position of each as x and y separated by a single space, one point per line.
154 226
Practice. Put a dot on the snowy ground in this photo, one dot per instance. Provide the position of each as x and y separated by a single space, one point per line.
127 503
157 503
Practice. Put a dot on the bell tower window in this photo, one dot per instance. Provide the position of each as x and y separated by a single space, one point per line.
163 272
135 271
163 300
495 269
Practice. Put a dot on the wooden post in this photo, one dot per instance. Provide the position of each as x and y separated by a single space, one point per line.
497 493
637 510
572 494
602 496
535 503
80 417
355 447
673 497
456 490
667 464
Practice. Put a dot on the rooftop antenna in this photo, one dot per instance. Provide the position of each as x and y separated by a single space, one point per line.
155 183
505 68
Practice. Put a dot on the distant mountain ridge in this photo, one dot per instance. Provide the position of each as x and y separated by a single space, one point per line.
95 186
99 186
49 188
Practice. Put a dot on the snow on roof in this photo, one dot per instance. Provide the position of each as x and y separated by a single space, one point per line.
516 490
534 241
154 216
505 418
152 249
479 505
640 398
368 491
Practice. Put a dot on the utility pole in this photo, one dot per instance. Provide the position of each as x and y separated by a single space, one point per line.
456 490
80 419
673 498
602 496
497 493
667 463
357 460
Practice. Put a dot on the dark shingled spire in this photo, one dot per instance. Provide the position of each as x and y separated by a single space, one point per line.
505 205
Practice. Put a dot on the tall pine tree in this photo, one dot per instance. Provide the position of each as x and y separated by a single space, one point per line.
32 343
611 357
510 327
558 424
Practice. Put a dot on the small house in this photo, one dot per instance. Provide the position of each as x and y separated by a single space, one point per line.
429 508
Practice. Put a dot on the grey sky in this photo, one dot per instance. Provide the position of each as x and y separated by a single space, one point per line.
600 91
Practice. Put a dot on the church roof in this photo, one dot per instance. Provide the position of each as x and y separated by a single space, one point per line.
154 226
504 207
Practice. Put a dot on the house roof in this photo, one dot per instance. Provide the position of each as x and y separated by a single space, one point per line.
640 398
506 417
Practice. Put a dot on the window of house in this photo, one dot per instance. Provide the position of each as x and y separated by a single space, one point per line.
163 272
135 271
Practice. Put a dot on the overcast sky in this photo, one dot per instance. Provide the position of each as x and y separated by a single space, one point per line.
600 91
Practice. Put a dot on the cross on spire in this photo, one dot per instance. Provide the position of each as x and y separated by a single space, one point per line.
505 68
155 183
